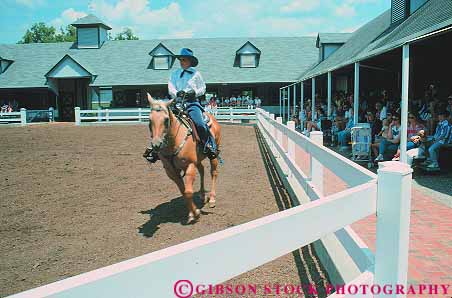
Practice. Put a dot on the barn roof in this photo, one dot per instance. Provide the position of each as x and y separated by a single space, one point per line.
379 35
126 62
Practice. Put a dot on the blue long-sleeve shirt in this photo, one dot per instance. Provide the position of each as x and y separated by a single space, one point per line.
442 131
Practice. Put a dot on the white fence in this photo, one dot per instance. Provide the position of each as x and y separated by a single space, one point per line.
14 117
233 114
220 256
140 115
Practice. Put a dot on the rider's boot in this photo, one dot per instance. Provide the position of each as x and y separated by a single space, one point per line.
150 155
210 149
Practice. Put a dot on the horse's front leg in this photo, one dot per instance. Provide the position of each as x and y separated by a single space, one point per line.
175 176
193 212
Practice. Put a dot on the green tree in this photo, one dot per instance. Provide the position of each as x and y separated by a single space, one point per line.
126 34
41 33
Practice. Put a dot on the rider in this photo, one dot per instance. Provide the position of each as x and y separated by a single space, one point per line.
188 83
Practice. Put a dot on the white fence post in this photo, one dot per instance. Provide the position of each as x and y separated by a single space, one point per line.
23 116
393 224
316 171
77 116
291 146
231 114
107 115
99 114
139 114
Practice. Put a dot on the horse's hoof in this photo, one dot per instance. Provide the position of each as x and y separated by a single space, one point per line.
206 199
192 218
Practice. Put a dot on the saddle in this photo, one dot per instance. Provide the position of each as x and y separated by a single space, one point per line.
188 122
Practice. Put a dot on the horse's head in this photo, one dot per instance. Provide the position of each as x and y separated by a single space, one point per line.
159 121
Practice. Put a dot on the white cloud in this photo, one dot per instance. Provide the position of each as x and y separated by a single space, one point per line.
138 15
300 5
67 17
345 10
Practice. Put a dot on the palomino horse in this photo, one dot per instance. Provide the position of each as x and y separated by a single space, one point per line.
178 152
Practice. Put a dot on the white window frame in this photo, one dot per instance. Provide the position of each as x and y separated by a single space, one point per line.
160 66
244 65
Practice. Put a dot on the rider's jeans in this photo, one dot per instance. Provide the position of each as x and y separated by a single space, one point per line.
195 110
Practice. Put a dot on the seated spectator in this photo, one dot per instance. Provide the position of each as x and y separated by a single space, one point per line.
382 134
343 136
391 143
380 111
449 105
316 125
415 133
375 124
439 139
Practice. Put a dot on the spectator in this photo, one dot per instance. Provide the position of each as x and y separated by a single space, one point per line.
258 102
375 124
438 140
415 132
383 134
380 111
343 136
239 101
449 105
232 101
316 125
391 143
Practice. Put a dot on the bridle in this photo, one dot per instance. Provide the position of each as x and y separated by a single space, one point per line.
168 126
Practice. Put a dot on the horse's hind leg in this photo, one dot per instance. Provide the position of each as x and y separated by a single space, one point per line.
202 189
214 175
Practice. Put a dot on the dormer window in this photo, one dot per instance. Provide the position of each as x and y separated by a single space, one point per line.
328 43
247 56
4 64
91 32
162 58
161 62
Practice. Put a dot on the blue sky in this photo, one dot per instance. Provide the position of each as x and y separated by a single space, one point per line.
195 18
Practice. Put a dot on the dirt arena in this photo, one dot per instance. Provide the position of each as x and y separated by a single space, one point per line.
74 199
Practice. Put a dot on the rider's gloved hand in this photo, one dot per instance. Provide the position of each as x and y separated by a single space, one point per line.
190 94
180 93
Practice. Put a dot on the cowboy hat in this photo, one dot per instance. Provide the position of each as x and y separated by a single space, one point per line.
187 53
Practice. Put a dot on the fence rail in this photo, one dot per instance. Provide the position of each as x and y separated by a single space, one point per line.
14 117
141 115
220 256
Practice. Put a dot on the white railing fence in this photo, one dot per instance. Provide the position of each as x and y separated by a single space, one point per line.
14 117
142 114
220 256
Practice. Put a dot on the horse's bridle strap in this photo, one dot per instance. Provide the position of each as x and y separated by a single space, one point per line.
178 150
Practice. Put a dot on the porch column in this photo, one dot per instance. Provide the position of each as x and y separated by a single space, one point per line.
356 95
404 105
329 93
313 113
284 103
294 98
288 103
302 112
